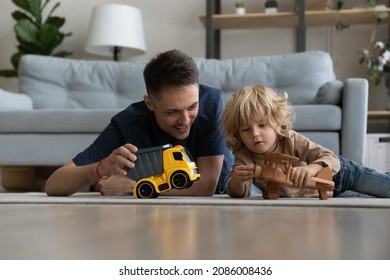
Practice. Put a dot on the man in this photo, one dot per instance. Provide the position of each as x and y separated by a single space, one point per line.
177 110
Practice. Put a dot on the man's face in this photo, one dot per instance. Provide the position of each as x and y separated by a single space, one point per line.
175 109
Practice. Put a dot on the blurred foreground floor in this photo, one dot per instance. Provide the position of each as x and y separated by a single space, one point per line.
82 231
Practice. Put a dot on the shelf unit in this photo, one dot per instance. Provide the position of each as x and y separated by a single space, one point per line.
378 144
379 114
214 22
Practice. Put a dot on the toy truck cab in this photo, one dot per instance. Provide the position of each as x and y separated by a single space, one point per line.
159 169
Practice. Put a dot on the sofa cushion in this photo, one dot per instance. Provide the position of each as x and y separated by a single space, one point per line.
54 82
329 93
317 117
307 118
14 101
299 74
328 139
55 120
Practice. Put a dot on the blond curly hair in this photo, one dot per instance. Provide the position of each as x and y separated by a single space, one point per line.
251 101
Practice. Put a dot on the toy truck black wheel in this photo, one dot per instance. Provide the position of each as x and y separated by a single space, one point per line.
180 180
145 189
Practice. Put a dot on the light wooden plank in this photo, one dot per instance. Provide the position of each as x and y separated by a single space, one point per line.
290 19
379 114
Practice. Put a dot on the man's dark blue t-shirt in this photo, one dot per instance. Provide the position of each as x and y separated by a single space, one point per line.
137 125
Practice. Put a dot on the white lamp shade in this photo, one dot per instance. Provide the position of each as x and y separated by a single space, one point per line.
116 25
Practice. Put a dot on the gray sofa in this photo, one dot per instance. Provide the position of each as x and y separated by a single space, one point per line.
64 103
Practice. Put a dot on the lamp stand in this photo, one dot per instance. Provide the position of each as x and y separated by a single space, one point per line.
117 52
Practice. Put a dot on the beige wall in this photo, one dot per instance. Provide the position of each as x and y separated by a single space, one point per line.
174 24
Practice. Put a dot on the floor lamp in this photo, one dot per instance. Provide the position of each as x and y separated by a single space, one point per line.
116 30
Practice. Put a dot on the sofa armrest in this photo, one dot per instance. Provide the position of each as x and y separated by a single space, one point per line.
14 101
354 123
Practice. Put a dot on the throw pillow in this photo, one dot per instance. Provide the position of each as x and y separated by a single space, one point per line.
329 93
14 101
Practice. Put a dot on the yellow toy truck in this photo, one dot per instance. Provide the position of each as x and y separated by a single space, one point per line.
159 169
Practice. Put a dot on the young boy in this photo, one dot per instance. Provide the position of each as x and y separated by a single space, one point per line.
258 122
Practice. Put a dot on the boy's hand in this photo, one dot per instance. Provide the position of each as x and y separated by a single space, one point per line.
301 175
242 173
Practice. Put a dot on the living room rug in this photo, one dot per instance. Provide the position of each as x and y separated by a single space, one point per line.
96 198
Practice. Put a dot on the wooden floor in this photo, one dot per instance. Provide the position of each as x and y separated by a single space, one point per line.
82 231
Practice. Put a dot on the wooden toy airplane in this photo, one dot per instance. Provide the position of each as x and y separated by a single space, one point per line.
275 176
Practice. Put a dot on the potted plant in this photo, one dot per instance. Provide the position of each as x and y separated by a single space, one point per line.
271 6
35 34
240 8
379 17
376 57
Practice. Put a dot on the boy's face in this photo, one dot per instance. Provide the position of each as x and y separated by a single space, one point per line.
175 110
258 136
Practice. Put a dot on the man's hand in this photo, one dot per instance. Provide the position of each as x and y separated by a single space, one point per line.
117 161
112 172
116 185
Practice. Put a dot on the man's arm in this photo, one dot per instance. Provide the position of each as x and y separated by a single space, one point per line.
70 178
210 169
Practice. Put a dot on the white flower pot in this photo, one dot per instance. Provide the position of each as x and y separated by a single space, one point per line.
240 10
271 10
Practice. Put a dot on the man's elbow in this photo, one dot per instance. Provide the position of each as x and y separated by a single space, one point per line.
208 189
208 193
52 190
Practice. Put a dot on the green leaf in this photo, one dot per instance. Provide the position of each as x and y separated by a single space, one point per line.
339 4
340 26
22 4
53 9
49 38
67 34
18 15
377 79
8 73
45 4
26 31
372 3
33 48
15 58
33 36
62 54
380 17
35 10
56 21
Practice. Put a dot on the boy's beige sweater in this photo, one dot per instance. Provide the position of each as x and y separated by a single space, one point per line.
295 145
